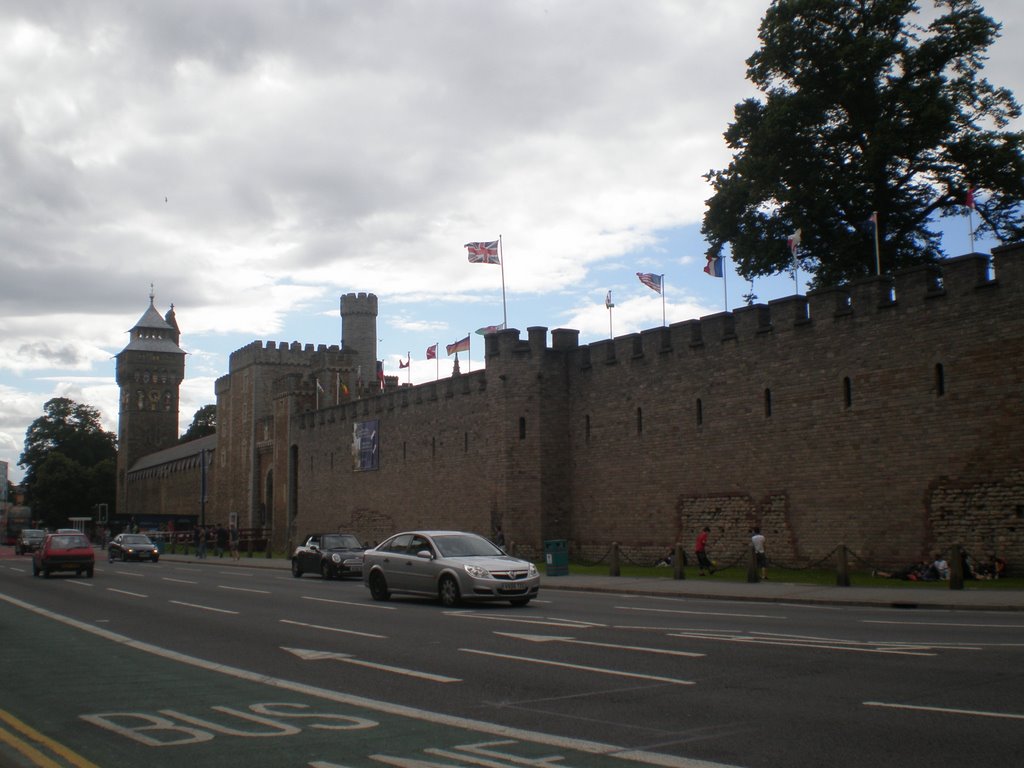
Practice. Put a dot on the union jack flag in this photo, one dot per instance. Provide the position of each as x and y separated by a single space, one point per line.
432 352
483 253
650 280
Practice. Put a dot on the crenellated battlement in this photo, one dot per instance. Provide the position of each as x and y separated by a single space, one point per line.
358 304
286 354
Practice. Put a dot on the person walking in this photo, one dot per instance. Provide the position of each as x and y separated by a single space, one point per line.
233 539
757 541
701 550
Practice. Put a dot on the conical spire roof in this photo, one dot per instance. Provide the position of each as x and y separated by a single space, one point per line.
152 333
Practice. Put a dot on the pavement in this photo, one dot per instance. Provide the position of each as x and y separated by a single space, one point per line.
930 596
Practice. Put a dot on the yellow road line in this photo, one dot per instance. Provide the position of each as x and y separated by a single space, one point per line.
31 752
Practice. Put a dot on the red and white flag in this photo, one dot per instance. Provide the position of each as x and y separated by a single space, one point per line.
483 253
432 352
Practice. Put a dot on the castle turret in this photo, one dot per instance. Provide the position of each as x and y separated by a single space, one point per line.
359 332
150 370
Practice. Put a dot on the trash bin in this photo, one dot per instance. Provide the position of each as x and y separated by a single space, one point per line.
556 557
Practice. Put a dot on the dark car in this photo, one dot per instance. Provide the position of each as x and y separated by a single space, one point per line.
28 541
64 552
132 546
449 565
332 555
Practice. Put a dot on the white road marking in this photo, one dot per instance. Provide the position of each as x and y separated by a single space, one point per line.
203 607
244 589
79 583
179 581
700 613
125 592
945 710
386 707
306 655
131 573
346 602
564 623
574 641
333 629
832 645
942 624
238 573
599 670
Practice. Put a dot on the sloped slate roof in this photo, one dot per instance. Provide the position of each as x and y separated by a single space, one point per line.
175 453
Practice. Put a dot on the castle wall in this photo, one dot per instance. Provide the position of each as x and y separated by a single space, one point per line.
885 415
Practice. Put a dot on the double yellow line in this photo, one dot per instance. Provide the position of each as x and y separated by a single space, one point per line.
21 736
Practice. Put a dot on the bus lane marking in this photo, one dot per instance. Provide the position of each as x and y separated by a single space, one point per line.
564 623
203 607
580 667
614 646
307 655
30 751
334 629
349 602
500 732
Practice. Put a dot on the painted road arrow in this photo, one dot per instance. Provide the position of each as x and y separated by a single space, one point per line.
308 655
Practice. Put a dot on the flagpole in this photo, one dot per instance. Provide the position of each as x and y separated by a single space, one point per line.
608 305
437 361
663 322
878 252
725 283
408 367
501 258
469 336
337 387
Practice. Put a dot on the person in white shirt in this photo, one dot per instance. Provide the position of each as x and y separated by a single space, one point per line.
757 541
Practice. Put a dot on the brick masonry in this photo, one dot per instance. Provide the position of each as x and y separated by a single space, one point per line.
886 415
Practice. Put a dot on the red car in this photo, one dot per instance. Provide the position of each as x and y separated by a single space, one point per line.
64 552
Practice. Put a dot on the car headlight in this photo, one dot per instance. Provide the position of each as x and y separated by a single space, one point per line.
533 570
477 572
336 557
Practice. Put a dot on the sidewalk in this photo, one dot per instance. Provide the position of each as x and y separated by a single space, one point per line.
708 587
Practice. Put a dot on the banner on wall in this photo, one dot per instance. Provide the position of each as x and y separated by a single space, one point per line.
365 445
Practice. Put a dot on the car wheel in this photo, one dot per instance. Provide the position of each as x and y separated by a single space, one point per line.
35 569
325 571
88 573
378 587
46 573
296 570
448 592
517 601
110 557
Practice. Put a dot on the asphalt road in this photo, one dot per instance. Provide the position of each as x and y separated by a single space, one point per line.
176 663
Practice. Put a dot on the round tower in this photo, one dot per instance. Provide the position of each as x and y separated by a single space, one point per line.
359 332
149 374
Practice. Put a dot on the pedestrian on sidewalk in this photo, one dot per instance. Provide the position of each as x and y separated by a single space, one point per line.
233 537
701 550
757 541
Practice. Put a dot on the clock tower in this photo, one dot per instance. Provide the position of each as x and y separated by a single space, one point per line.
149 373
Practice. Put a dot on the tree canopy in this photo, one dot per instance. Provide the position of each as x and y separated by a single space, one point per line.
871 118
69 460
204 423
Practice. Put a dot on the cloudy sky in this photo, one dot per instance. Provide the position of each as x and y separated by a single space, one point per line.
255 160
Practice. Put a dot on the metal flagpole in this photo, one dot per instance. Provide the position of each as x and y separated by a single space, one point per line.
878 251
663 300
501 258
608 305
469 349
725 282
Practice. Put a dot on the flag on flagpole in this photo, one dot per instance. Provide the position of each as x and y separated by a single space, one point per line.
650 280
490 329
714 266
969 200
403 364
344 389
380 373
432 352
608 300
319 386
462 345
483 253
793 242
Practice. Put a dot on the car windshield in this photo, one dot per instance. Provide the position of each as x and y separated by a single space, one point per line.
465 545
341 541
32 534
68 541
137 540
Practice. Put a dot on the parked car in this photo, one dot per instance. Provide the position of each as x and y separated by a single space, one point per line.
449 565
332 555
64 552
132 546
29 540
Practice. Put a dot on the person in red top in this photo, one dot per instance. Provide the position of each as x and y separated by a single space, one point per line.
701 549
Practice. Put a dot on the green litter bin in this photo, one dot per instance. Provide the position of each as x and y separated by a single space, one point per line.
556 557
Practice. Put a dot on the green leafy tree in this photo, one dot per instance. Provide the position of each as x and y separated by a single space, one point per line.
204 423
867 110
69 461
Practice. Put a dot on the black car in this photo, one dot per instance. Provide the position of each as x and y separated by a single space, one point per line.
29 540
132 546
332 555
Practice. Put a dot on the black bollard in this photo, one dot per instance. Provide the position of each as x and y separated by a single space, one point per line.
956 568
842 572
678 573
753 576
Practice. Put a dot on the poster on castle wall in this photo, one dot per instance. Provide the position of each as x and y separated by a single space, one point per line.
365 442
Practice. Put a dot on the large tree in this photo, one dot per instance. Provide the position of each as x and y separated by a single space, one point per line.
868 110
69 461
204 423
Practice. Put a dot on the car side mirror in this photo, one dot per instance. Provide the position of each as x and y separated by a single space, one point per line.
425 554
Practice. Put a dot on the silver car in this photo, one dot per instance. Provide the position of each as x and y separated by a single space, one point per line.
449 565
